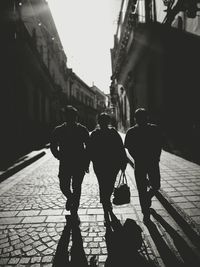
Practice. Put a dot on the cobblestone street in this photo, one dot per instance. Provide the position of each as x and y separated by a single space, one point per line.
33 215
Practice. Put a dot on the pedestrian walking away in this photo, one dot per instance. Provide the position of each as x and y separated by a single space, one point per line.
144 143
108 156
69 145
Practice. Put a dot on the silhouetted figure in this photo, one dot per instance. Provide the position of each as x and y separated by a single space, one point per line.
114 244
144 143
68 145
108 156
74 256
124 245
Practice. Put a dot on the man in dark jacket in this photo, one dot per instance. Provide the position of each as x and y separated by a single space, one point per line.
68 144
144 143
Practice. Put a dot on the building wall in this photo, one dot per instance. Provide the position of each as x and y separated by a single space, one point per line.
156 65
31 87
39 22
83 98
99 100
35 83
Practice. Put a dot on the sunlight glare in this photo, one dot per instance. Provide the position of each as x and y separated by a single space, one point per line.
85 30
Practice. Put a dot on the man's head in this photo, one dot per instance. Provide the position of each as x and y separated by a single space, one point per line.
104 120
141 116
71 114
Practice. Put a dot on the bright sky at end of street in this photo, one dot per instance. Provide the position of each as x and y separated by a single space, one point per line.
86 29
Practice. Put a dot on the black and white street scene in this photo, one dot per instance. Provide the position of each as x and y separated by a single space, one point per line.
100 133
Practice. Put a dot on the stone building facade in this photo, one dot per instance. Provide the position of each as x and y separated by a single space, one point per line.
154 61
35 80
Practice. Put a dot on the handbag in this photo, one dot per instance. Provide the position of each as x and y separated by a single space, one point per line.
121 191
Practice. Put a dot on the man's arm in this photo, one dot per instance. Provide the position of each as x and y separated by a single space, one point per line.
122 151
86 141
54 145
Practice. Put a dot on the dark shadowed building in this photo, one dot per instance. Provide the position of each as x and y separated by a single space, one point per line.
35 81
154 65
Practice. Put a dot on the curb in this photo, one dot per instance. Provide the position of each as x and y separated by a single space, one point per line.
188 226
18 167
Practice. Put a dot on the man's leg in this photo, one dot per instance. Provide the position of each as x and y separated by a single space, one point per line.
65 184
77 180
104 197
154 178
106 181
141 181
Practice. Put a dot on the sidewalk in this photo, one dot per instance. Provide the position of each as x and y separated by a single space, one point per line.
32 214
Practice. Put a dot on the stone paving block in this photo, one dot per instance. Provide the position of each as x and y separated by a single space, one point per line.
16 253
14 261
99 218
4 261
34 219
179 199
193 211
123 209
95 211
48 251
35 259
93 234
7 249
188 193
11 220
193 198
169 189
88 218
24 260
95 251
4 240
87 251
31 252
8 213
186 205
51 212
102 258
55 219
47 259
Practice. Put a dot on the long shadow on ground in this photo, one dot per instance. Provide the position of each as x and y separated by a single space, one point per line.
190 258
122 246
74 257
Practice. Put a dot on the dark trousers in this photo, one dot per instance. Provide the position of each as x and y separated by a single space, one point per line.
72 180
147 176
106 180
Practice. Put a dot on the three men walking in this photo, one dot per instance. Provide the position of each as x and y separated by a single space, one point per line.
72 145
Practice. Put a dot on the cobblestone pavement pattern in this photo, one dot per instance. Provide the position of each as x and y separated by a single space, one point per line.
32 214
